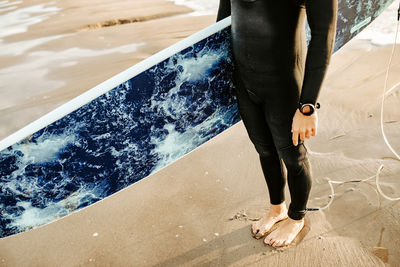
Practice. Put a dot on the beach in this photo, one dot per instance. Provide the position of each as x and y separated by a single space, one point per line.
198 210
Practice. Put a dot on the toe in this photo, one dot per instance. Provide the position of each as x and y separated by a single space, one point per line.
272 243
254 229
275 243
259 234
267 240
281 243
256 234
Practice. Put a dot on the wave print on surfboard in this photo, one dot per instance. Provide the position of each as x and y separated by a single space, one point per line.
130 126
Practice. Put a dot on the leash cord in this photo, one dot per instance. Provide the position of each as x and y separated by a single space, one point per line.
384 94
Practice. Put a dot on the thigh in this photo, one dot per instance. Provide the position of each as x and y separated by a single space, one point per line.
252 113
281 105
280 94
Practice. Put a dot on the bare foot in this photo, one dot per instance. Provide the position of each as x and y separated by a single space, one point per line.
276 213
285 233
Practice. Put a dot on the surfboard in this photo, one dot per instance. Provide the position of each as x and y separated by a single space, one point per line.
131 126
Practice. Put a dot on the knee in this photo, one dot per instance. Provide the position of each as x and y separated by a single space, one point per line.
294 157
265 150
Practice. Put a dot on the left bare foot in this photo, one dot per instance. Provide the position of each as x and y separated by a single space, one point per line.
285 233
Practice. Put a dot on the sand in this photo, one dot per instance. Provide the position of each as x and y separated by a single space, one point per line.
198 210
63 59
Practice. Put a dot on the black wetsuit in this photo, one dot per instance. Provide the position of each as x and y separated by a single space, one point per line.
273 72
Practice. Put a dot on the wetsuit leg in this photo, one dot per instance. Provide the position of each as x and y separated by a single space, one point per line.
270 103
252 114
299 178
280 97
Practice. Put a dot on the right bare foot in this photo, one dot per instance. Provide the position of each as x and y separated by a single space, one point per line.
263 226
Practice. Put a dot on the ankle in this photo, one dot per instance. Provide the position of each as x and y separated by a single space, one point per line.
295 221
280 208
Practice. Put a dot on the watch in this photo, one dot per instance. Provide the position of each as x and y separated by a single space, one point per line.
312 108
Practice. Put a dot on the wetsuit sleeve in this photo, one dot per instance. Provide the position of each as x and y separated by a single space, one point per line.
321 17
224 9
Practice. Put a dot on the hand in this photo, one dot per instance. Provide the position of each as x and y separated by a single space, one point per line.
303 125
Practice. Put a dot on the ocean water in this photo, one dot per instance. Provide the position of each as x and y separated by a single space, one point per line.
17 20
200 7
380 32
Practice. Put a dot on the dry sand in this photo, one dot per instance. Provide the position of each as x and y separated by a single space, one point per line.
198 210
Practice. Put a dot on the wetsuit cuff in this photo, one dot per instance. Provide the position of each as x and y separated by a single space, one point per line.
296 215
317 105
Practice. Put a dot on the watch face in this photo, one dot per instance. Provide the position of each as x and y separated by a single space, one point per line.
311 109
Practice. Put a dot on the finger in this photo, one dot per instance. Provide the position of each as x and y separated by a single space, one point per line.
302 135
308 133
295 137
312 131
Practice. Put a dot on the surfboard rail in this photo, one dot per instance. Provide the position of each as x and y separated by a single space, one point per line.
110 84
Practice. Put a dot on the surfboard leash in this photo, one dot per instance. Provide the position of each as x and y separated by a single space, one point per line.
384 94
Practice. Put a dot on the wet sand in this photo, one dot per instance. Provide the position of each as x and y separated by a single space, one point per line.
198 211
62 59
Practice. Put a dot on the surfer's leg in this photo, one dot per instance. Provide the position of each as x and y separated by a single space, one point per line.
252 114
259 133
279 114
299 178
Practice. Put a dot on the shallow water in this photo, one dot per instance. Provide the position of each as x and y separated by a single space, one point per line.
19 20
